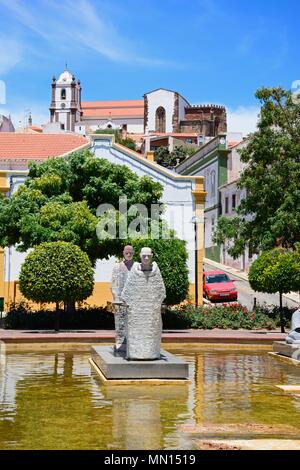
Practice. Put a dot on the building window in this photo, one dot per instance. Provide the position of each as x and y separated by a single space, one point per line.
63 94
160 120
213 183
109 126
124 127
62 126
226 205
233 202
212 227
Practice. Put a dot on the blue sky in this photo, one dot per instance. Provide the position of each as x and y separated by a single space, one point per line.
216 51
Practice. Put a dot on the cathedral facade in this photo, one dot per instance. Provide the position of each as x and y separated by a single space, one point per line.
161 111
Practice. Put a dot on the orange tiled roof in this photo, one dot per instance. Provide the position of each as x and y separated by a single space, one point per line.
35 128
234 143
38 146
108 109
174 134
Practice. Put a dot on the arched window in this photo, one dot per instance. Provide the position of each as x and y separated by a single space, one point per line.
63 94
160 120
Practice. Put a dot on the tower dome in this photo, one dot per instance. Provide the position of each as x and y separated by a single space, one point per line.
65 78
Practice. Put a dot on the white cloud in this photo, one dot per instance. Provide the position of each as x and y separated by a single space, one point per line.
65 26
10 54
242 119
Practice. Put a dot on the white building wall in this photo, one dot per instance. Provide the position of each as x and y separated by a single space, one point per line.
177 199
135 125
157 98
177 196
210 173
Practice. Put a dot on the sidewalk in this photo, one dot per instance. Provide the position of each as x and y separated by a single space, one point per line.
295 296
169 336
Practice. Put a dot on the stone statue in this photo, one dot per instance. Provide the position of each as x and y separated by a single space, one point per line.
294 334
144 293
119 276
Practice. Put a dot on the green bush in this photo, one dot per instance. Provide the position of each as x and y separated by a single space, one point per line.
171 257
274 314
223 317
55 272
21 317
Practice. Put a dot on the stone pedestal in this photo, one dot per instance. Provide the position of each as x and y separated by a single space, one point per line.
119 368
288 350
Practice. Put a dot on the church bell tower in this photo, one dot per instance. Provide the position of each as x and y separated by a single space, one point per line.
65 107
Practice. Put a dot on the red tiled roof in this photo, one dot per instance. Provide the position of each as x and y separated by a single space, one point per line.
174 134
35 128
234 143
107 109
38 146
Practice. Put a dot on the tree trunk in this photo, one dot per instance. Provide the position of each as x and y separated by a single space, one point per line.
281 313
57 317
70 307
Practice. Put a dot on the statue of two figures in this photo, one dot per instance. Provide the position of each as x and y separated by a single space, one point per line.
138 292
294 335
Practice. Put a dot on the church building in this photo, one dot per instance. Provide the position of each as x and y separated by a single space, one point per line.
161 111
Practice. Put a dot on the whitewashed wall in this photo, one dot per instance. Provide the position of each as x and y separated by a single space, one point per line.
177 196
157 98
134 125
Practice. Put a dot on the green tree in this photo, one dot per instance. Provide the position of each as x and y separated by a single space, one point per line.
269 215
171 257
170 159
276 270
59 201
127 142
56 272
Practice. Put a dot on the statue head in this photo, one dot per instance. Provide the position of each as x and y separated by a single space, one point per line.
146 257
128 252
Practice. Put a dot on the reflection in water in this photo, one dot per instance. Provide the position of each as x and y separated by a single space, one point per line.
54 400
144 415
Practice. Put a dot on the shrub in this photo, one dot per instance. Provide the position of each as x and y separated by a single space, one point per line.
274 314
171 257
223 317
21 316
276 270
56 272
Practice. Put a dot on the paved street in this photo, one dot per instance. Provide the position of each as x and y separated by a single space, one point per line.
246 294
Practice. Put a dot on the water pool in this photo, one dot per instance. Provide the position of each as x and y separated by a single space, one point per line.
53 399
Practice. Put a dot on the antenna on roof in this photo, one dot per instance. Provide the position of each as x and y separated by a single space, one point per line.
66 66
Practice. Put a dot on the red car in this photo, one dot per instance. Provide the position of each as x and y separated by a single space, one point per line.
218 286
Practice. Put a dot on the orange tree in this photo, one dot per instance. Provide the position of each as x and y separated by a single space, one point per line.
276 270
57 272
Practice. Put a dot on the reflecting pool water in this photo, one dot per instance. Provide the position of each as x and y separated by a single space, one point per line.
55 400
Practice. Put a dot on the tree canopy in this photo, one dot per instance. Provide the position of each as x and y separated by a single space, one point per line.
56 272
276 270
171 257
170 159
59 201
269 215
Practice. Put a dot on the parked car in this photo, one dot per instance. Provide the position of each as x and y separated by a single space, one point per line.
218 286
